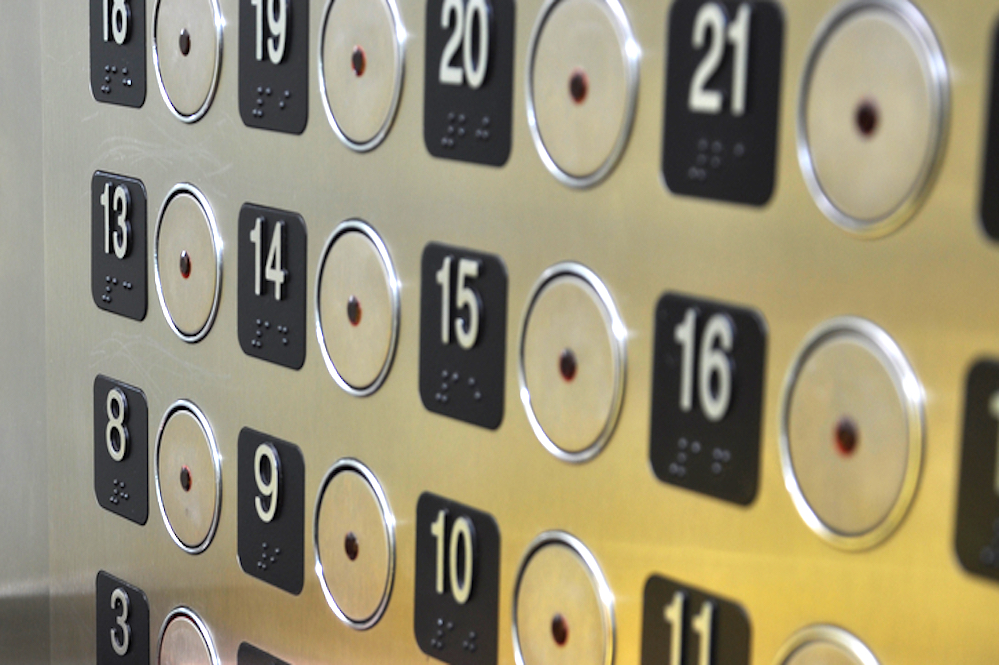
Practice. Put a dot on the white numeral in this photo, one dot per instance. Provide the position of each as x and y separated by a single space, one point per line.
711 19
118 202
474 61
273 271
701 624
116 21
714 376
460 542
466 329
277 26
268 488
119 597
117 410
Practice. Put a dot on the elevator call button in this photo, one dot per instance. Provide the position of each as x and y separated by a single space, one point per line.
468 80
457 582
707 396
121 455
463 302
118 244
187 52
118 51
274 64
271 276
271 510
723 75
122 622
185 640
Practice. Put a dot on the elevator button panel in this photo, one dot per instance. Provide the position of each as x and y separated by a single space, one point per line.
272 285
122 622
188 471
187 53
707 397
274 64
185 640
457 582
468 80
271 506
681 624
463 311
121 449
118 51
723 76
118 244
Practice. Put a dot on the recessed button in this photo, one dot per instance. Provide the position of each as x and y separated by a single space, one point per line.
185 640
357 308
852 433
188 476
824 645
572 362
360 69
872 115
582 81
355 544
563 609
187 50
188 261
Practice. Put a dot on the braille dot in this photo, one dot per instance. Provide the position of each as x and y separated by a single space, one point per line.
443 399
461 131
716 468
107 79
350 545
461 118
284 340
444 386
287 94
124 71
450 625
185 478
445 374
267 324
579 85
260 102
485 121
485 134
739 150
450 117
260 89
185 264
477 396
267 91
567 364
277 550
695 447
471 381
353 311
185 42
440 622
450 130
846 436
358 61
281 105
867 118
107 68
114 70
259 322
560 630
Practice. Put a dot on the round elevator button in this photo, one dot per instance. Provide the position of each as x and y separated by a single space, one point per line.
187 52
824 645
355 544
357 308
563 610
188 472
582 83
872 114
851 433
185 640
572 362
187 256
360 69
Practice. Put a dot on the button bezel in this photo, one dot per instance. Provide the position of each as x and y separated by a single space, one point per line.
830 635
197 115
190 615
910 391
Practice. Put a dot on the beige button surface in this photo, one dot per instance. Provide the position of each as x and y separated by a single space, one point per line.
188 476
187 52
824 645
581 87
187 258
872 115
355 544
357 308
360 70
563 612
185 640
851 440
572 362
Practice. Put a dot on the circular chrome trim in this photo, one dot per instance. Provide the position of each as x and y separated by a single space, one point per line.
606 597
388 521
632 53
619 336
206 429
940 105
356 225
829 635
400 62
206 208
190 615
197 115
911 393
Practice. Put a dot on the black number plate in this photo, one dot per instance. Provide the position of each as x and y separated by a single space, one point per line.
271 538
118 244
251 655
121 450
722 99
455 617
707 394
122 622
118 51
